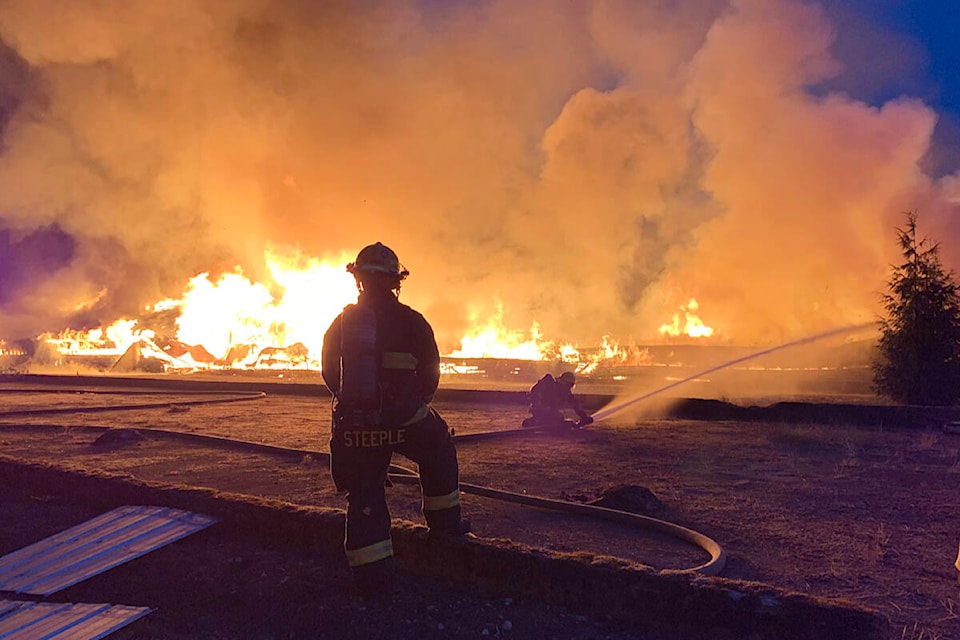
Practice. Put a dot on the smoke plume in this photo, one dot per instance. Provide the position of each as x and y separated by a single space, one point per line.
591 165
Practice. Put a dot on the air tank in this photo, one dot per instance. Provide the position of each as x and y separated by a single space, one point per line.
359 381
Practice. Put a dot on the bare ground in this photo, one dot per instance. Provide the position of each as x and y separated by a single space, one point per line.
862 513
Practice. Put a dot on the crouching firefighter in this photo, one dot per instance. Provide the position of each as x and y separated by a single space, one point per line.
381 363
549 397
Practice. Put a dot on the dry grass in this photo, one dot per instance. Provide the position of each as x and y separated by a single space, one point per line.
919 632
881 542
859 513
928 441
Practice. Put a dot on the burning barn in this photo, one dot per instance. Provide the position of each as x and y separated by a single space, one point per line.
674 179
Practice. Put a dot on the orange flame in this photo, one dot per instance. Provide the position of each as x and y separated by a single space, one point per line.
494 340
234 314
242 323
113 340
6 350
234 322
691 325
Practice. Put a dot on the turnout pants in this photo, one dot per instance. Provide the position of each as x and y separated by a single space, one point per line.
359 462
545 417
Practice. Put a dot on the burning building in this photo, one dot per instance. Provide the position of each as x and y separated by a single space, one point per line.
205 170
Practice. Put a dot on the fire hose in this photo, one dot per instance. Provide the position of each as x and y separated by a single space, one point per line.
232 397
398 473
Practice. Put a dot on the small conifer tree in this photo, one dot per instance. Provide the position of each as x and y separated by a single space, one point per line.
919 349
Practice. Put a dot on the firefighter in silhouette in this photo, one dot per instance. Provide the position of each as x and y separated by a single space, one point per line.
549 397
381 363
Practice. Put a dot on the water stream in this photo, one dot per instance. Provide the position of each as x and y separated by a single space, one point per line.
611 409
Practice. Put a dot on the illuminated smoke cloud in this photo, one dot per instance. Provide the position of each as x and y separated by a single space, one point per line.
591 165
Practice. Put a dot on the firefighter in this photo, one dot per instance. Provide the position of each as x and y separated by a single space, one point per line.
381 363
548 399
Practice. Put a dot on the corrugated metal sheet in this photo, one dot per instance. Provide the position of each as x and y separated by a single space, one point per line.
95 546
54 621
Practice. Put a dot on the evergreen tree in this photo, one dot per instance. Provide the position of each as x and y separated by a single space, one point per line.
919 349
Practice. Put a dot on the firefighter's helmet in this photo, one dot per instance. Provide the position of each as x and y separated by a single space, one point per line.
377 258
568 378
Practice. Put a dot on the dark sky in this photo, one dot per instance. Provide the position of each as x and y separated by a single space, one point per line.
936 24
904 47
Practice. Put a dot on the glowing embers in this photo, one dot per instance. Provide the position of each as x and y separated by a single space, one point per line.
95 546
687 323
64 620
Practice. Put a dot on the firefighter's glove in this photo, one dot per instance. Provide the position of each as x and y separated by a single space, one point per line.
584 420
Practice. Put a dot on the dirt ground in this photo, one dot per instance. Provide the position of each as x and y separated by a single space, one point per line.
866 514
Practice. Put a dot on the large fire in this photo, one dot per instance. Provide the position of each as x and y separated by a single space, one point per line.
494 340
233 322
690 325
236 319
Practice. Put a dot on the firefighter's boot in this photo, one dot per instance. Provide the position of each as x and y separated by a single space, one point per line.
446 524
375 580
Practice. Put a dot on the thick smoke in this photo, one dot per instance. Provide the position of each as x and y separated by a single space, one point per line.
591 165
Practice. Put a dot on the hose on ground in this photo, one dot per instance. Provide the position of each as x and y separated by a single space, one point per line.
404 475
231 397
711 568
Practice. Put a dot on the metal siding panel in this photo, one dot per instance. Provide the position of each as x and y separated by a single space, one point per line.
64 538
103 624
33 558
95 546
91 557
62 556
12 562
24 617
111 556
56 621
